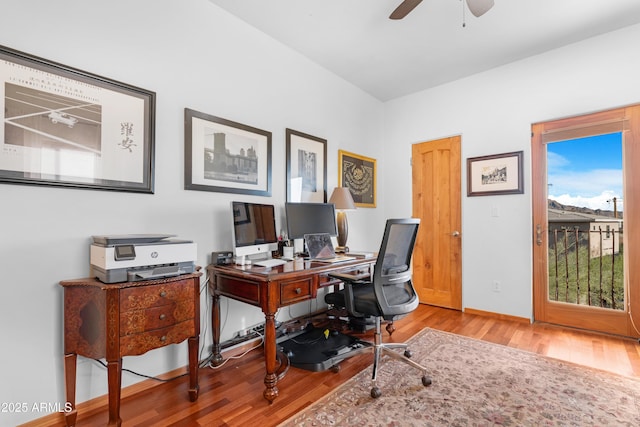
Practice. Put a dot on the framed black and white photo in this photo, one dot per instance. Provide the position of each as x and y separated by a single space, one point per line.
495 174
67 127
306 167
225 156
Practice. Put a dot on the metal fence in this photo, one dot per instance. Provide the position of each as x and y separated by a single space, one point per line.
586 267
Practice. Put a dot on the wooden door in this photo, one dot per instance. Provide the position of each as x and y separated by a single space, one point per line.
627 121
437 260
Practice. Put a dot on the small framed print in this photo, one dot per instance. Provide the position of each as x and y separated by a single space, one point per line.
496 174
358 174
225 156
306 167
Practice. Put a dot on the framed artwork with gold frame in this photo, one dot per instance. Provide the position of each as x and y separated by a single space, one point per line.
358 174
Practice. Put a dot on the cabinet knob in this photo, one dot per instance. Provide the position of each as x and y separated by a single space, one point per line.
163 294
298 291
163 338
163 316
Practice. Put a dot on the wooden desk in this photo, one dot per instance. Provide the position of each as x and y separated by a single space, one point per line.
123 319
270 289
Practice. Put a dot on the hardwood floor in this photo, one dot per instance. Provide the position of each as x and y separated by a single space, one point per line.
232 395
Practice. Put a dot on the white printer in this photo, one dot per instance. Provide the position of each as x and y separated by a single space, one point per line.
133 257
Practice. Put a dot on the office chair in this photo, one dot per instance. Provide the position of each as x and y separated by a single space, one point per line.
388 295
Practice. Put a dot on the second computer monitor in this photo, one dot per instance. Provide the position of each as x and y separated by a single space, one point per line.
310 218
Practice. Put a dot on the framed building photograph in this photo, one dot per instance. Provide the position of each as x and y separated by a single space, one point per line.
358 174
306 167
70 128
495 174
225 156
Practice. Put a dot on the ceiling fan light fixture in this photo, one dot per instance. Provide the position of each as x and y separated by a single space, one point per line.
479 7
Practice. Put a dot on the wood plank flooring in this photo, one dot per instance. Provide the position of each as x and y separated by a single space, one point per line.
232 395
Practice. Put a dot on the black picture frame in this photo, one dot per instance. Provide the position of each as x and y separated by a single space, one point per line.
496 174
70 128
225 156
306 157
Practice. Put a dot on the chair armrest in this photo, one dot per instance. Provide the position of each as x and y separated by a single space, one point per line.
350 281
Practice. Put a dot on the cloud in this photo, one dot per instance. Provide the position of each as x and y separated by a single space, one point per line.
602 201
586 184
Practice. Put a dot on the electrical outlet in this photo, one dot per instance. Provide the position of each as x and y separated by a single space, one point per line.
496 286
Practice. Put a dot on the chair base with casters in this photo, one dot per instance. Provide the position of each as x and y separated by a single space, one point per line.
380 348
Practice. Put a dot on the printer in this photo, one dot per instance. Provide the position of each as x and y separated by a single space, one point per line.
133 257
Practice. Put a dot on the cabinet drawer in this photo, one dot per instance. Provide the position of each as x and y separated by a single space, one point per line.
136 344
136 321
297 290
155 295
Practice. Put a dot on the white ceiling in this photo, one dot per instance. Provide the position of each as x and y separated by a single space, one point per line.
388 59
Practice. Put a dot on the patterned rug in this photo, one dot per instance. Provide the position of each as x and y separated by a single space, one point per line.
476 383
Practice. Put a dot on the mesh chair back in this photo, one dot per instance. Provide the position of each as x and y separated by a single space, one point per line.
392 274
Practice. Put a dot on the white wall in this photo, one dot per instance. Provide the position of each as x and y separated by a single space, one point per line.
493 112
192 54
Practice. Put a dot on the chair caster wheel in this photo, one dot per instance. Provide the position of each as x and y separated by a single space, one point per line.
335 369
408 354
375 392
426 381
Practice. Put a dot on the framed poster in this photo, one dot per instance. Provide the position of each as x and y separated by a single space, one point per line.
495 174
306 168
225 156
358 174
66 127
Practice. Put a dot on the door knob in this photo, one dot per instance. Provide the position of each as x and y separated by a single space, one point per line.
455 233
538 235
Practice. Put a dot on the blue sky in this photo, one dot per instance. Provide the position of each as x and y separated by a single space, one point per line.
586 172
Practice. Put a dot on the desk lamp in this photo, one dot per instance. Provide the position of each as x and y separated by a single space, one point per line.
341 198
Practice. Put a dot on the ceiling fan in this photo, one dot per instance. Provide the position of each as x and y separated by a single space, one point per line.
477 7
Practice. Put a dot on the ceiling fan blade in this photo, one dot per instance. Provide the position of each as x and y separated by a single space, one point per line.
479 7
403 10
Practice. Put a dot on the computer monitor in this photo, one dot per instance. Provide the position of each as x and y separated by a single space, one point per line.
254 230
310 218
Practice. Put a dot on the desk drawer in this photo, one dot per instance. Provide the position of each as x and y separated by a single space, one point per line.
155 295
136 321
242 290
136 344
297 290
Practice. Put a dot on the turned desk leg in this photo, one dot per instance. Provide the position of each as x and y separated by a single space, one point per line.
70 386
271 377
193 368
216 358
114 373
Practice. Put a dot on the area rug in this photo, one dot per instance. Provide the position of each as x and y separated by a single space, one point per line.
476 383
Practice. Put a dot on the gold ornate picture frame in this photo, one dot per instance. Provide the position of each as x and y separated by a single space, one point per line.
358 173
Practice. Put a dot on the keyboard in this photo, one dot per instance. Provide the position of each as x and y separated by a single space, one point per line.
338 258
270 262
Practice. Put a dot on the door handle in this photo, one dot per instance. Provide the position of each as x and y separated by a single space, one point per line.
455 233
538 235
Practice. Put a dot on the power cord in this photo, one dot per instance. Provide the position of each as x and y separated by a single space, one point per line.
240 355
165 380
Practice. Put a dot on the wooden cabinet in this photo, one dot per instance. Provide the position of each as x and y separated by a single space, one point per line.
125 319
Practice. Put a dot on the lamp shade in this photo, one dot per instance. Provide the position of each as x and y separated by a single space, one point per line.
341 198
